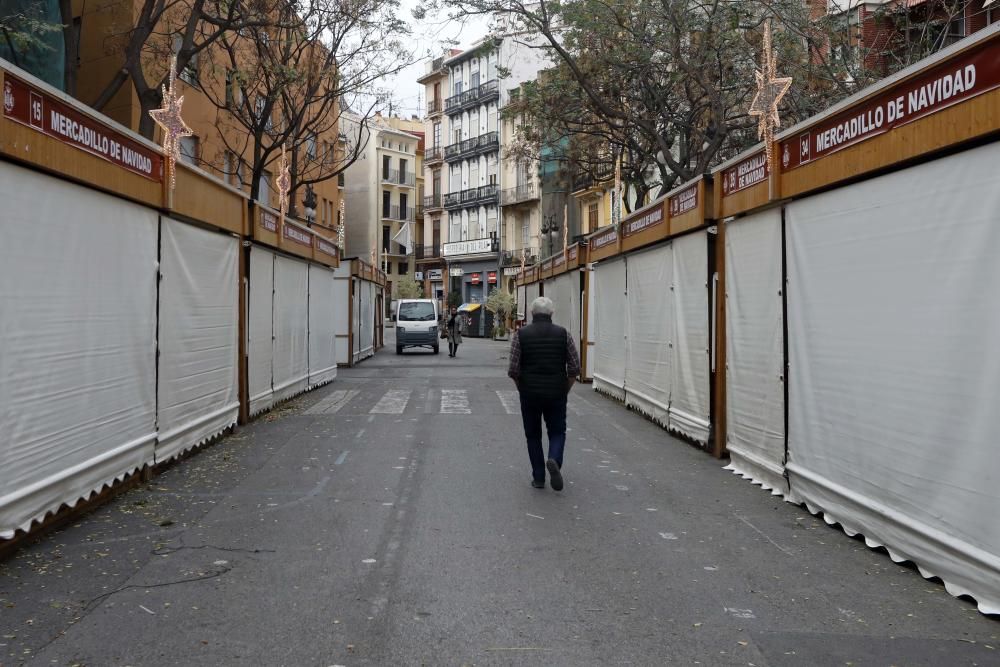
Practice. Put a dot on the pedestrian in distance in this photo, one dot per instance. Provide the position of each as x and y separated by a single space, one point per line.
544 364
453 325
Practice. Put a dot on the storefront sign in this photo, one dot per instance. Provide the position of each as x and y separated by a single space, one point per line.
574 252
434 274
967 75
512 271
745 174
642 221
25 104
474 247
547 265
491 277
684 201
559 260
326 246
269 221
418 275
476 278
295 234
456 272
604 239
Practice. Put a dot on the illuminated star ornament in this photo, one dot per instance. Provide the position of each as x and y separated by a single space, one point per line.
284 183
565 228
340 228
524 258
770 90
169 118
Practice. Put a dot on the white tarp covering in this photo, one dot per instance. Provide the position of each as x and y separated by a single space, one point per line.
77 343
755 393
522 304
322 326
356 322
367 347
199 316
649 357
291 327
342 312
260 329
564 290
894 370
588 325
531 292
689 402
610 322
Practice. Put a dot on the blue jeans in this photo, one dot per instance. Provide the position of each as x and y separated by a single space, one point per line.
554 412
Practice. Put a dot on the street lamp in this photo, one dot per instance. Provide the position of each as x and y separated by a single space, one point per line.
550 231
309 205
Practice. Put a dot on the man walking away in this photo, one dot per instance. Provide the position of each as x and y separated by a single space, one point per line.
544 364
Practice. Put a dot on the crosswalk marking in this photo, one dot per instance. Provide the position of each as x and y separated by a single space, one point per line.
334 402
392 403
455 402
511 401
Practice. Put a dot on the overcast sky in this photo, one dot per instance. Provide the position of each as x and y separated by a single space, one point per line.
430 35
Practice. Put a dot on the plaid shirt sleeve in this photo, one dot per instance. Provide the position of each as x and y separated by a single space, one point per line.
572 358
514 369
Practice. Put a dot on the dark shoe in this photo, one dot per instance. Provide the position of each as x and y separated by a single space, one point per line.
538 485
555 477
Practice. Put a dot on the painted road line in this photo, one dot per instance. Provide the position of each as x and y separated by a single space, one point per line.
334 402
340 459
511 401
393 402
455 402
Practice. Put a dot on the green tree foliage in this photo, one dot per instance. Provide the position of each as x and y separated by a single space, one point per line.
666 85
501 303
408 289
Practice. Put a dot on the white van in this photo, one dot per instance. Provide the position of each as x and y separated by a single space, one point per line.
416 324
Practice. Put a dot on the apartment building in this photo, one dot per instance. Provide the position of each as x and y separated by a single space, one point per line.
381 191
465 96
219 146
521 204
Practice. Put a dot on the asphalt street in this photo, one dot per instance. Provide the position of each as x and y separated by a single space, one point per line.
388 519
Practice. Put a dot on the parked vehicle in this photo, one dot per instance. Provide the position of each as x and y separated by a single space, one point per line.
416 324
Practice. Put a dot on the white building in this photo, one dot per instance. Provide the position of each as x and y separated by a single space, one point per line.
381 195
462 163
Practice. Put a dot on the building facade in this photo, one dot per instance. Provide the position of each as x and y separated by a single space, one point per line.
463 217
381 191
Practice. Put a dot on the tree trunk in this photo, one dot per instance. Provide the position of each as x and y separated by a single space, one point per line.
71 40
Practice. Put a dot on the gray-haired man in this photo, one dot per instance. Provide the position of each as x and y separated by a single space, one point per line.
544 364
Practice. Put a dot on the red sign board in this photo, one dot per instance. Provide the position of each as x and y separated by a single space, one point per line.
25 104
269 221
325 246
293 233
492 277
965 76
643 220
477 278
605 239
684 201
745 174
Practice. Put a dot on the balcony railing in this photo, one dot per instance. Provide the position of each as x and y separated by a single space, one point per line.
521 193
395 212
484 194
427 251
484 143
396 177
472 97
513 257
434 107
432 202
433 154
585 181
420 212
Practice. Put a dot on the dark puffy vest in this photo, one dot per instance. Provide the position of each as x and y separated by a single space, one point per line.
543 359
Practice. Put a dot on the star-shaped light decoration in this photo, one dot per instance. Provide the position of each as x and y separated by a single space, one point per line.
373 254
565 228
770 89
169 118
524 258
284 183
340 228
